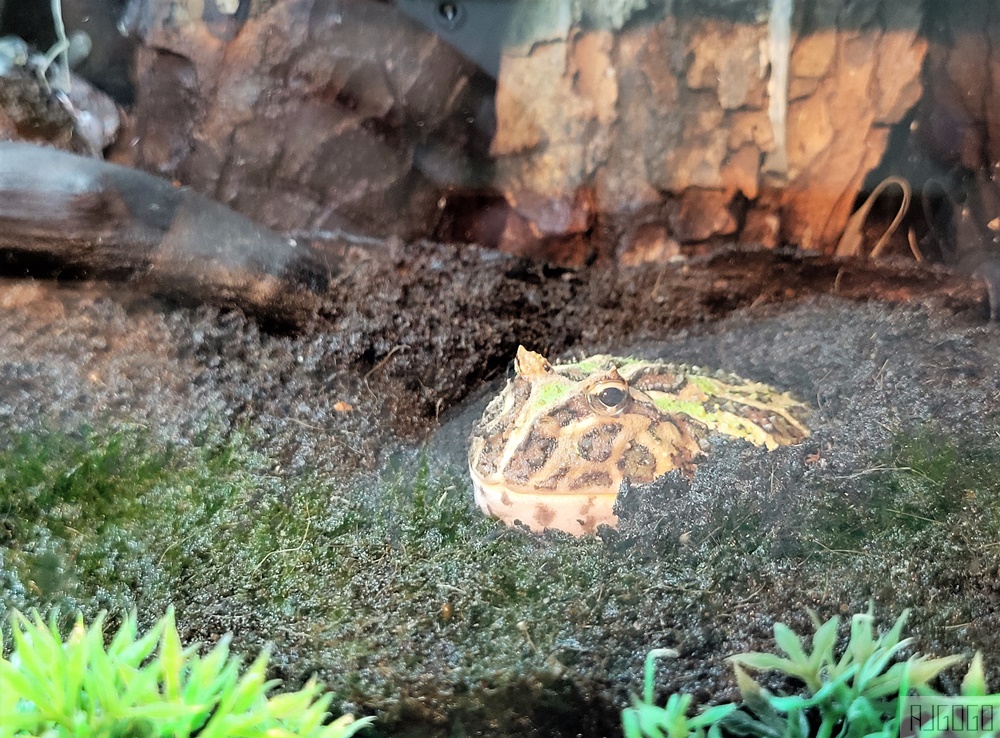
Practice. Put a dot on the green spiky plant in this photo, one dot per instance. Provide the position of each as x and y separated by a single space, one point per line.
646 718
860 693
145 686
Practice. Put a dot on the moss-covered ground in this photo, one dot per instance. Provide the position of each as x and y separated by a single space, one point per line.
409 603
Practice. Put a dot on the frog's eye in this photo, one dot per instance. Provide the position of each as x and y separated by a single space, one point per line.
609 397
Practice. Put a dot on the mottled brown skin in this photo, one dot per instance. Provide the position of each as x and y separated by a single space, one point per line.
552 450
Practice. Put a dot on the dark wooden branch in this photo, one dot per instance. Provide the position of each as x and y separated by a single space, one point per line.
67 214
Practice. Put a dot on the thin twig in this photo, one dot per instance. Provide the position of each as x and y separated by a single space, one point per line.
384 360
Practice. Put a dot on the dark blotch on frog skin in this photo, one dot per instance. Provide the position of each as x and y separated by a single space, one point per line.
533 453
544 515
637 463
553 481
597 444
569 412
490 455
592 479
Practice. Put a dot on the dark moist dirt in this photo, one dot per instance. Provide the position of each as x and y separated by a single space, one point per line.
406 334
410 344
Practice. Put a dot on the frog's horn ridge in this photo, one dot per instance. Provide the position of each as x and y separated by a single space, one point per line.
529 364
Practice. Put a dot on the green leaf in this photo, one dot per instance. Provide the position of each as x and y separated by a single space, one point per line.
287 706
922 669
211 673
764 662
755 697
134 653
649 671
172 657
974 683
862 644
788 641
166 711
823 642
121 691
77 655
630 723
99 681
713 714
893 636
124 637
876 663
742 724
865 711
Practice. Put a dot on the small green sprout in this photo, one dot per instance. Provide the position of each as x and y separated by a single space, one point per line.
146 686
645 718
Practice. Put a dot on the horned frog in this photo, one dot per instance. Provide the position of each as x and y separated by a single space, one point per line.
552 449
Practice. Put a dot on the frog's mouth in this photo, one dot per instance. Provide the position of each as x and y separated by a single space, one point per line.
576 513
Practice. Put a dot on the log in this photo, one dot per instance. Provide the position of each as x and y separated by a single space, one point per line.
68 215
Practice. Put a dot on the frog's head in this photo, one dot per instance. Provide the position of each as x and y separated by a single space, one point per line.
560 439
553 448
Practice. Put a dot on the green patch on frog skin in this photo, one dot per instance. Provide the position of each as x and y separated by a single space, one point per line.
721 421
600 364
706 384
710 386
551 393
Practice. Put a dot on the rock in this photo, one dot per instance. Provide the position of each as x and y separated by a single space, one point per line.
741 171
762 227
521 238
750 127
838 133
693 156
676 107
602 111
702 214
811 130
726 59
813 53
29 113
648 243
556 103
549 216
358 93
900 53
96 119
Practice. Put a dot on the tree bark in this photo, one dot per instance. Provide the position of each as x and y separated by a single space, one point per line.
62 214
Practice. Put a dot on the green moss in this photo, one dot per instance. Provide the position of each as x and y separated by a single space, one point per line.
926 486
53 479
88 519
397 591
371 583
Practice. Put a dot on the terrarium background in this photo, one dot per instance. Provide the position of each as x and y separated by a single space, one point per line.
635 130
